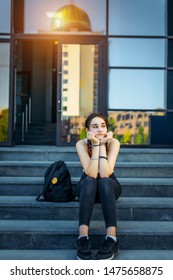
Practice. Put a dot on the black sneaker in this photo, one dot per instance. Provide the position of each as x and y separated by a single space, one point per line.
109 250
84 248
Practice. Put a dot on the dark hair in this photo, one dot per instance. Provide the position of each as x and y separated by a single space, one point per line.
94 115
87 124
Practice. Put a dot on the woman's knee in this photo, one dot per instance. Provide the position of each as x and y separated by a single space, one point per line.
88 185
84 183
104 182
88 182
109 186
105 185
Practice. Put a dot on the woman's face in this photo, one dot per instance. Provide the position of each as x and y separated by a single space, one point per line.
98 127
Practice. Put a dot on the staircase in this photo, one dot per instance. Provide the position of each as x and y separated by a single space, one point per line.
45 230
36 134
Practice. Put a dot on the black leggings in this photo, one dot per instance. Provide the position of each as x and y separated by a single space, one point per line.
104 190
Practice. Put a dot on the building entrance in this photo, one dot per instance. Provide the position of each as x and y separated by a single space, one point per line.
58 83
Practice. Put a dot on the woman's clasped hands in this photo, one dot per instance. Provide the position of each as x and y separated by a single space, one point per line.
95 141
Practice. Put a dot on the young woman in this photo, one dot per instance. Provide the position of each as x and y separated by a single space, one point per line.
98 154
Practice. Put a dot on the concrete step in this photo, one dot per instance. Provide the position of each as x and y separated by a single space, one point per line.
32 186
52 153
128 209
38 134
48 235
38 153
51 140
124 170
71 254
144 211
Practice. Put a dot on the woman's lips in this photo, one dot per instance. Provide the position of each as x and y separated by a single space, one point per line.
100 135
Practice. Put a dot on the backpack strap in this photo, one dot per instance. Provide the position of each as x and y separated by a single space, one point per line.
40 199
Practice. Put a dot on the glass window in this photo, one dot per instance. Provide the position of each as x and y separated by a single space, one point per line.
5 16
44 12
65 54
136 132
170 53
137 17
82 90
137 52
170 17
136 89
4 90
169 90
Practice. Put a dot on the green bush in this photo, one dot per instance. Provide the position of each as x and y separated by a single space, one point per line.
4 125
141 137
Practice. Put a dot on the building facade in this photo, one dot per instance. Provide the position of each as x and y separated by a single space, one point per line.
61 60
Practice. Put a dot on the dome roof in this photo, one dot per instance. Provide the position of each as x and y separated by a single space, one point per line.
70 18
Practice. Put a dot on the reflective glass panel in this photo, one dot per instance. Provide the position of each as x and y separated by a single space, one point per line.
4 90
48 18
137 17
170 53
170 17
35 93
137 52
136 127
169 90
5 16
136 89
79 91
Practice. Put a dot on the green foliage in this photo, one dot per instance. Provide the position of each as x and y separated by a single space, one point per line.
112 126
126 137
4 125
140 137
83 133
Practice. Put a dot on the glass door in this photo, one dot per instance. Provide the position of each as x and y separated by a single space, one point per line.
81 88
4 93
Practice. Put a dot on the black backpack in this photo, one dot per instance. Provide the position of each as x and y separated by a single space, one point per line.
57 184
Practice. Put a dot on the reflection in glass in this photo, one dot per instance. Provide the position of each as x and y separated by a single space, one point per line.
79 90
136 89
47 16
137 52
70 18
35 92
132 127
5 16
136 17
4 90
170 53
